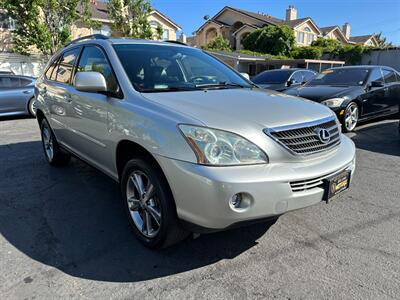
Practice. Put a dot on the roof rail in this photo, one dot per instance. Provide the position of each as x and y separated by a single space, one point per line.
88 37
176 42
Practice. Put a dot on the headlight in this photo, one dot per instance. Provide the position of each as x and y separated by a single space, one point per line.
334 102
218 147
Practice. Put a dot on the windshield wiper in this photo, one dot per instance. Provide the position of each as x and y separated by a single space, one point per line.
169 89
221 84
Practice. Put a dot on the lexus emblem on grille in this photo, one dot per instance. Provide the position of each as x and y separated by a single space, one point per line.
323 135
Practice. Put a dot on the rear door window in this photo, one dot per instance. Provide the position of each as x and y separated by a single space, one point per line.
9 82
50 70
66 65
389 76
24 82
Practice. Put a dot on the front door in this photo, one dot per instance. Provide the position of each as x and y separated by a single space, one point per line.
375 98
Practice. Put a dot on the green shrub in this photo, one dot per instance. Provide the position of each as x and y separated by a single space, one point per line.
218 44
274 40
310 52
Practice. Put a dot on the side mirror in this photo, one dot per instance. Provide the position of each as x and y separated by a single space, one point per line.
245 75
92 82
290 82
377 84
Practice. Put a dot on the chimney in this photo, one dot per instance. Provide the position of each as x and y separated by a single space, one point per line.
291 13
346 30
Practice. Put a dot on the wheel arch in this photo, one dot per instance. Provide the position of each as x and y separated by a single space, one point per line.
126 150
40 116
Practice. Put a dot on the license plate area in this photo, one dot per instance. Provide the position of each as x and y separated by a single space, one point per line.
336 184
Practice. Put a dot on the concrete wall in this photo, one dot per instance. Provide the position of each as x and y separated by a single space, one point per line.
390 57
32 65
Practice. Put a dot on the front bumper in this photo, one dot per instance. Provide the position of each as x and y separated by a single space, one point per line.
202 193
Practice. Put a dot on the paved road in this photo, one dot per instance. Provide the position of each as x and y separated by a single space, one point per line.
64 235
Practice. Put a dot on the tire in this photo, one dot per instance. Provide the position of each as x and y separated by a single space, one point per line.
152 212
350 118
32 108
53 153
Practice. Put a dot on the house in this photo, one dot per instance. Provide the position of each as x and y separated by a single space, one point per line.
235 24
99 12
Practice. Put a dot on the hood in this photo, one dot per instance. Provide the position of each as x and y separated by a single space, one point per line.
232 109
320 93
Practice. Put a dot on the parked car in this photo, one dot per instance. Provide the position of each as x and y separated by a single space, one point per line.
282 79
193 144
355 93
17 95
6 72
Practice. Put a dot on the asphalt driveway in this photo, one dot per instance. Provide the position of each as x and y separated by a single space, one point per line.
63 234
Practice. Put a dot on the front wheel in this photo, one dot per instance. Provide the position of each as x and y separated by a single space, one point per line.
149 204
350 118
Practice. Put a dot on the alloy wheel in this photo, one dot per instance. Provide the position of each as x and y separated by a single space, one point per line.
143 203
48 142
351 117
32 107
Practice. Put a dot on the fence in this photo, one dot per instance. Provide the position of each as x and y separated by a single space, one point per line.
31 65
386 57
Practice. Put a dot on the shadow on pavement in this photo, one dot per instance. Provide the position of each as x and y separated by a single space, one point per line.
72 219
382 137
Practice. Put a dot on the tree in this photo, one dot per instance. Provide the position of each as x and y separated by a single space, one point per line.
218 44
45 24
275 40
310 52
130 18
382 41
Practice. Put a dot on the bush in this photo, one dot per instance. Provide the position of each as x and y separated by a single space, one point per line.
310 52
218 44
352 54
328 45
275 40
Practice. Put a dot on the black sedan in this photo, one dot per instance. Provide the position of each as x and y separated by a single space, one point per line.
282 79
355 93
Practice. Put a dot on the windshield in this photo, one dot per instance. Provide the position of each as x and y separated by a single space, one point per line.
161 68
272 77
341 77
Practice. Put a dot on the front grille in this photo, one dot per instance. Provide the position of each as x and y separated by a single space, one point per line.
303 139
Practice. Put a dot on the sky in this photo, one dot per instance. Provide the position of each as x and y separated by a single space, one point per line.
364 16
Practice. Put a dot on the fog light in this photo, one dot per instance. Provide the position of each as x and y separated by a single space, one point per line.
236 200
240 202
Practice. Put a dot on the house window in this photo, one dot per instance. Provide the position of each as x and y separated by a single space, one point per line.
300 37
309 35
165 35
105 30
154 24
7 22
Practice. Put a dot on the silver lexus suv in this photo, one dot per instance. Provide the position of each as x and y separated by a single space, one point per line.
193 144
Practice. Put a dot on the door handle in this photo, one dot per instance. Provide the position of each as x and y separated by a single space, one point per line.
26 92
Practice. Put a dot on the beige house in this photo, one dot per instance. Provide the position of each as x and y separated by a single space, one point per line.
99 13
235 24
